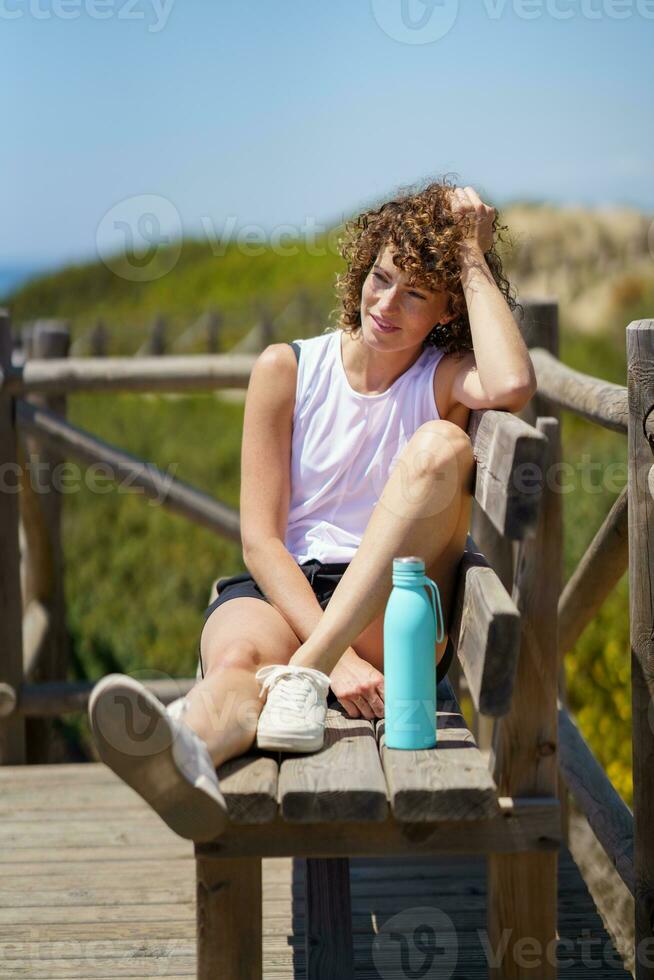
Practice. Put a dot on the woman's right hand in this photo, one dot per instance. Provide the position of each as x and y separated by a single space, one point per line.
358 686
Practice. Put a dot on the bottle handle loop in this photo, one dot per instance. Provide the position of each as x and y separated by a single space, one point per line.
431 585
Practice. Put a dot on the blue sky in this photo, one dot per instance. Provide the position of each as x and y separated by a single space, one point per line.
238 112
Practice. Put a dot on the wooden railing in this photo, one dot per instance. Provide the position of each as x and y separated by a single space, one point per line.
32 615
624 539
206 333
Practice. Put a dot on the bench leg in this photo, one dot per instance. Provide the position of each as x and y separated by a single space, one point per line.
328 917
229 918
522 914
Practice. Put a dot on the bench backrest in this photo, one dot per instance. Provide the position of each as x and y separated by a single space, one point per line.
484 621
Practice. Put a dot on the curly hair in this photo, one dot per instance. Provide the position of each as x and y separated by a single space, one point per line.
425 236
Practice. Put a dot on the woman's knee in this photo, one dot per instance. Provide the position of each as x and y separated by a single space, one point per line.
246 633
238 654
445 436
433 473
440 445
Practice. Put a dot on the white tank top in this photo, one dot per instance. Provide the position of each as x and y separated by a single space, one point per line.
345 444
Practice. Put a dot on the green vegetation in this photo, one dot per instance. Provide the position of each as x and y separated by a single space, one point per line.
234 283
138 577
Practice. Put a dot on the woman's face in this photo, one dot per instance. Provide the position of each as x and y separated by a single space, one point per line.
387 299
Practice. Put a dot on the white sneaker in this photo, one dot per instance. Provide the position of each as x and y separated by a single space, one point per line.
293 717
156 753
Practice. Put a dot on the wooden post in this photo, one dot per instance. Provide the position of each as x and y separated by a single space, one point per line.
12 726
266 330
98 339
640 390
539 325
540 328
214 324
229 918
328 919
156 343
41 514
522 888
26 336
306 311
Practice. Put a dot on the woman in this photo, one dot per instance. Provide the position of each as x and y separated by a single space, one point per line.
351 456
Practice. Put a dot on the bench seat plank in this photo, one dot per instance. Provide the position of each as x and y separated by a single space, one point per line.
249 784
448 782
343 781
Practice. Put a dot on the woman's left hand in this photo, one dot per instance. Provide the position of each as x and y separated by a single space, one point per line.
466 201
358 686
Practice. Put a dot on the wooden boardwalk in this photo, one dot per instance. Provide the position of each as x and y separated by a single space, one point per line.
95 885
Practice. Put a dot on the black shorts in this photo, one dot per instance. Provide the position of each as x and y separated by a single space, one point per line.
323 577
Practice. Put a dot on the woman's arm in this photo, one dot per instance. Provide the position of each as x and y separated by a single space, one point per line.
500 373
265 499
266 489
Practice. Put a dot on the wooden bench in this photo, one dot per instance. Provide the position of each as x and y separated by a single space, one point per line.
356 797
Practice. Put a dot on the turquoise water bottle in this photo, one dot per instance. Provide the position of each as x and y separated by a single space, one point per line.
410 637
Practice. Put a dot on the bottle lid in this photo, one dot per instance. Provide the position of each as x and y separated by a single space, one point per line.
410 563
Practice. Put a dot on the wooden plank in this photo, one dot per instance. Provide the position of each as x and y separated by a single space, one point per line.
56 698
328 923
520 825
53 802
63 774
85 942
609 816
448 782
36 623
640 366
69 832
229 918
592 398
485 631
94 793
523 887
249 784
540 328
93 893
12 727
171 373
44 560
122 853
509 472
71 441
94 813
74 916
498 552
343 781
596 575
138 967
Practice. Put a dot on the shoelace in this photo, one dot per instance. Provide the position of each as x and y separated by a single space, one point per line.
287 693
290 689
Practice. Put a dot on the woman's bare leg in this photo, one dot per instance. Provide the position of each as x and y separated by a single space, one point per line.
418 513
238 637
